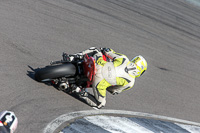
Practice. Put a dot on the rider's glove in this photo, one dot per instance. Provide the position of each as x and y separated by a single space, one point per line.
104 50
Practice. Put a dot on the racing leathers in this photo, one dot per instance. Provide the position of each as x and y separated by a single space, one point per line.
112 76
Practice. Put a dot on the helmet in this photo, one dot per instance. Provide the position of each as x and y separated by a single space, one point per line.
9 120
137 66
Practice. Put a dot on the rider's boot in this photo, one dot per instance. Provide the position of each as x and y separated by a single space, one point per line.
87 97
78 90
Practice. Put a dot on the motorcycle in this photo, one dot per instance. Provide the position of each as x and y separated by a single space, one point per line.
63 74
8 122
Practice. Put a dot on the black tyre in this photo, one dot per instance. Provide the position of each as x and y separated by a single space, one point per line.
52 72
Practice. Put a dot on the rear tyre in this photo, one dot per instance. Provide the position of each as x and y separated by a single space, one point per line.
52 72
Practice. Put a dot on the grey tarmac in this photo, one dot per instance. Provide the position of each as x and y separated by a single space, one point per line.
35 32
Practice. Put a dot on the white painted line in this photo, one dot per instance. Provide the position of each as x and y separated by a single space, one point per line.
191 129
116 124
53 125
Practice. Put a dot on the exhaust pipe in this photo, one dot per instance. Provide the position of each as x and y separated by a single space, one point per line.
63 86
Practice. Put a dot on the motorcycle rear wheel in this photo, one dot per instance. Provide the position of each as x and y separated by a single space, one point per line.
56 71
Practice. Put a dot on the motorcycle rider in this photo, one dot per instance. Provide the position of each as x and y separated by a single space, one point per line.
8 122
115 76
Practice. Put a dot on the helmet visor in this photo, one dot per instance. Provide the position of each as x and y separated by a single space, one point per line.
142 73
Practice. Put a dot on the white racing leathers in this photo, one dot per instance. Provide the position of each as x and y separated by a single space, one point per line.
112 76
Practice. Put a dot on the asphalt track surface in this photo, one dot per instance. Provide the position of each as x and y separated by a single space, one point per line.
35 32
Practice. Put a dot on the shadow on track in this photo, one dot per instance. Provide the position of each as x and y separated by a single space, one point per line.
31 74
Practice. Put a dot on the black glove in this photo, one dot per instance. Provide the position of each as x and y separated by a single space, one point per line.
104 50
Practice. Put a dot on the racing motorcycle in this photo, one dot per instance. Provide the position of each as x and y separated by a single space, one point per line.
8 122
64 74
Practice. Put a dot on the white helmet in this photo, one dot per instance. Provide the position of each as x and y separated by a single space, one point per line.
137 66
